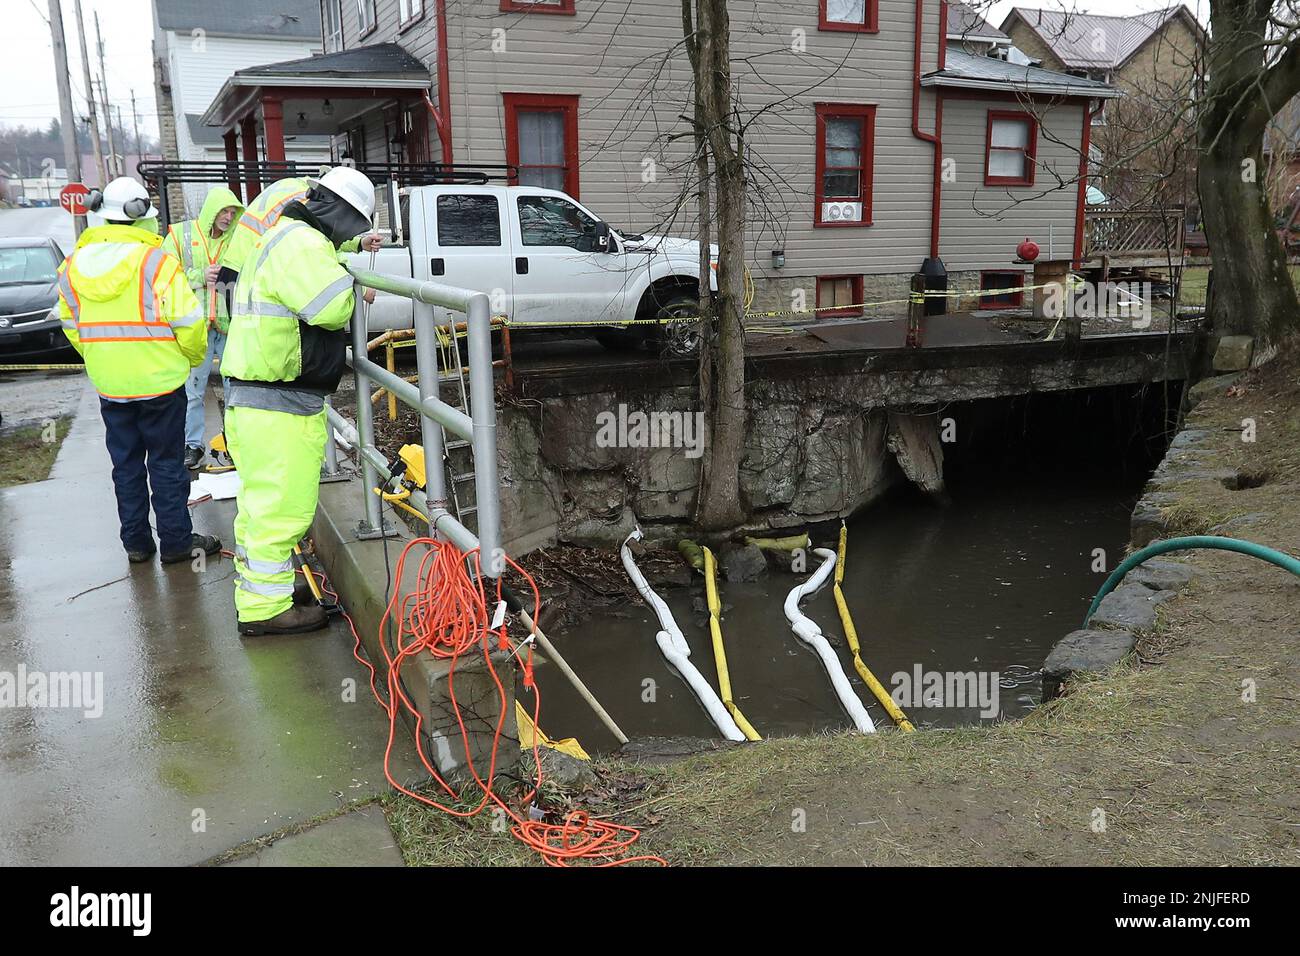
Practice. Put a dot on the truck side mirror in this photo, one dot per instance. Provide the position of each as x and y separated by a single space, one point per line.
601 235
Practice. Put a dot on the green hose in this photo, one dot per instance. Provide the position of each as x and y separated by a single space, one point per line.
1183 544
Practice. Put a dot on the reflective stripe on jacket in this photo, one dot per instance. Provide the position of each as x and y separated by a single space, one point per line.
292 300
128 309
258 217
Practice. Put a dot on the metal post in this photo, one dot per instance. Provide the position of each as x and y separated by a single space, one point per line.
331 471
372 525
426 364
915 312
483 411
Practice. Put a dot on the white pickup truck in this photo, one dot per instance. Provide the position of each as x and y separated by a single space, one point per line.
547 262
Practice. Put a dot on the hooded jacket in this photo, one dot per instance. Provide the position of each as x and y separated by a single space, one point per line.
192 243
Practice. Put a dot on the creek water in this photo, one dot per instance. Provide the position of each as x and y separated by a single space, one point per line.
986 584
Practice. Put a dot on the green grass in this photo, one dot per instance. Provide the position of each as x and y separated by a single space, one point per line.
27 454
1197 278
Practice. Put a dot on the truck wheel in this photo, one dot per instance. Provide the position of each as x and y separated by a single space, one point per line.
679 333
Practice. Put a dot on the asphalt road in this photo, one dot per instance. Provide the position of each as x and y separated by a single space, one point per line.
46 221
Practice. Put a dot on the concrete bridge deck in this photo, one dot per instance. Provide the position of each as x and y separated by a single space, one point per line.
1015 358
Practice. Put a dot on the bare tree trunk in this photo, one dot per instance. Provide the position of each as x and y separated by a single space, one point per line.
1254 291
718 505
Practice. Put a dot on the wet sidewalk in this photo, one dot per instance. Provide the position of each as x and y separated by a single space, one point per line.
205 740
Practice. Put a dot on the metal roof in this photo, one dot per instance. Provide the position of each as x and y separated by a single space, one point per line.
289 19
1083 40
964 22
964 71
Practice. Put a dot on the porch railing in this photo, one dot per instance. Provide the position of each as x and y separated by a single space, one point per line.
1133 234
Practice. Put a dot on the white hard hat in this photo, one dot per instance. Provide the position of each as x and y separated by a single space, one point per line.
123 200
352 186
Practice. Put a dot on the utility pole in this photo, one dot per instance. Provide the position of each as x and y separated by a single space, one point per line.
90 99
114 169
135 124
71 155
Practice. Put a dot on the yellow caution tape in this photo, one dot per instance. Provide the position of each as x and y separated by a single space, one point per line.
851 633
40 368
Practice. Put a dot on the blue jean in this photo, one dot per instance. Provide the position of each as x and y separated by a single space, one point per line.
196 387
146 442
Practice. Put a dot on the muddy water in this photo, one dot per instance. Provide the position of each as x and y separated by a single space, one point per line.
987 585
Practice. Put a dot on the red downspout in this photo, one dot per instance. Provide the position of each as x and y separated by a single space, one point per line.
934 139
1079 211
442 112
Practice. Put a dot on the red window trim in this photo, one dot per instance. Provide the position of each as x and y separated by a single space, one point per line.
403 26
834 313
868 114
871 15
1030 152
564 102
1013 300
563 8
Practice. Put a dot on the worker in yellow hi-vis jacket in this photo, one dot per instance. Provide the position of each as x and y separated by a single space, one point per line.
285 353
127 308
199 244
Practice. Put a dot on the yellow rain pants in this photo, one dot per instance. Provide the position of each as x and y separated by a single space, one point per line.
279 457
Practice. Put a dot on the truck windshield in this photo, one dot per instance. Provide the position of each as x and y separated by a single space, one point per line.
30 265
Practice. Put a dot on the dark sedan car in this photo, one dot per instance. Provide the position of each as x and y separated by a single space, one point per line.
29 295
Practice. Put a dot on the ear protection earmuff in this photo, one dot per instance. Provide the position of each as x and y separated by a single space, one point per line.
133 208
136 208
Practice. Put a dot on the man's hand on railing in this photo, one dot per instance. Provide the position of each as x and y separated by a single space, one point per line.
372 242
369 296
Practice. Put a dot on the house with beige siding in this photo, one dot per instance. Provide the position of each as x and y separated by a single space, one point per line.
883 138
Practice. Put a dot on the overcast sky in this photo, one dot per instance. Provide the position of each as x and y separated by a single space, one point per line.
29 96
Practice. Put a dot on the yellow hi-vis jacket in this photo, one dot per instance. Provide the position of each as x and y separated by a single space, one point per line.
259 216
292 299
263 213
193 244
126 307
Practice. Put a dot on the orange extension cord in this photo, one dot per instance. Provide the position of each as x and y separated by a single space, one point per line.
447 615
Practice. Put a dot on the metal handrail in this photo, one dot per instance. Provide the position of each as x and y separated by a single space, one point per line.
478 427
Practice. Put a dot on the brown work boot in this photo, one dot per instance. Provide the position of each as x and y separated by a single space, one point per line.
296 620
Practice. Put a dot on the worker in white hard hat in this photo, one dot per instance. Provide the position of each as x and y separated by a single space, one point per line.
128 309
285 353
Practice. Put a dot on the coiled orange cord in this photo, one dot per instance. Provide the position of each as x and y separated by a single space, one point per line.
446 614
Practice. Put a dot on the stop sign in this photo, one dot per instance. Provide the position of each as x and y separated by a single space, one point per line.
72 197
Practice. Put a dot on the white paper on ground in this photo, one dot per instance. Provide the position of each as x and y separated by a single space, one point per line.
219 486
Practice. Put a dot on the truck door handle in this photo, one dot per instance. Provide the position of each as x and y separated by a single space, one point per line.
521 265
437 267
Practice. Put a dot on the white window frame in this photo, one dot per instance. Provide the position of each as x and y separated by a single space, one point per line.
367 17
331 42
408 10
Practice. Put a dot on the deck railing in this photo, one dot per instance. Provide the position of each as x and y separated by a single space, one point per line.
1149 234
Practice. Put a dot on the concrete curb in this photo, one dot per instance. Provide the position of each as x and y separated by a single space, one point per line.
358 572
